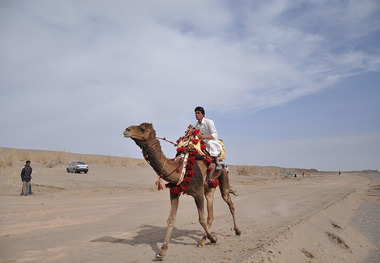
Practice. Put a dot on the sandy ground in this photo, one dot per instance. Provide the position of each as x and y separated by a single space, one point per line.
115 214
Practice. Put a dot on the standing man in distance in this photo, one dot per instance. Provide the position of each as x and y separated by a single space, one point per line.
208 134
26 176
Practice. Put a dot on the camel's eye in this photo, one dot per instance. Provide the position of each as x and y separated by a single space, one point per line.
142 129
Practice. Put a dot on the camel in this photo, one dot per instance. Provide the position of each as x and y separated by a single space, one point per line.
145 137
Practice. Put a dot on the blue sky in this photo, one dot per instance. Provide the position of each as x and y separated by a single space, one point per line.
287 83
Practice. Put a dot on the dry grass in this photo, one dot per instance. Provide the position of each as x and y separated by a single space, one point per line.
53 159
107 160
23 155
61 158
243 170
12 157
258 170
6 158
248 170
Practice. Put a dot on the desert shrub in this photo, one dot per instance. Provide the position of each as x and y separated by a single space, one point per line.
6 159
123 162
255 170
107 160
116 161
142 163
24 156
42 158
243 170
55 159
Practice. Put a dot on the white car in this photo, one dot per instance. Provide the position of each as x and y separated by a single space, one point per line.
77 167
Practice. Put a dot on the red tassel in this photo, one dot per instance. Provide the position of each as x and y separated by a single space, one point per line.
175 190
213 183
160 185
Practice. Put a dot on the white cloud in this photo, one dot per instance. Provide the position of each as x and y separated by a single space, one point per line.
128 62
147 47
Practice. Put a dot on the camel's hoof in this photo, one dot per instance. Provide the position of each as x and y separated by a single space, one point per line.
238 232
213 239
201 243
160 254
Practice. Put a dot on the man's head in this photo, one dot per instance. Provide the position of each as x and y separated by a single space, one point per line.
199 108
27 163
199 113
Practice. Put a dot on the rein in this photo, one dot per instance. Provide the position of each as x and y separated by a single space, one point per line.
173 170
147 158
174 144
164 139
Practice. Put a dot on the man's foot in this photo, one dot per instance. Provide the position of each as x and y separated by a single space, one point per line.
218 167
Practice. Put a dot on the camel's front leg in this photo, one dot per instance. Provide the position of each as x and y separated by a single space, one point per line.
209 193
199 201
174 200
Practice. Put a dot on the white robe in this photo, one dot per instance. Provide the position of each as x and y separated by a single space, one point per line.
207 127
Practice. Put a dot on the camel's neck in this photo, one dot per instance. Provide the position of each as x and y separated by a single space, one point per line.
152 152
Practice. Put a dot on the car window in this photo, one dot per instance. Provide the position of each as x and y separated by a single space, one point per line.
81 163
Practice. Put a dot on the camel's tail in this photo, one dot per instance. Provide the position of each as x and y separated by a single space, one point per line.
233 191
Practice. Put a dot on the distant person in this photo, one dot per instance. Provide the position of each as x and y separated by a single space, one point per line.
208 134
339 173
26 177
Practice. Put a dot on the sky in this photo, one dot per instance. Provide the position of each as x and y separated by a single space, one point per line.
288 83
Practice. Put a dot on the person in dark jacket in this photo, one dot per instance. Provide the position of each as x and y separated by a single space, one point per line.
26 176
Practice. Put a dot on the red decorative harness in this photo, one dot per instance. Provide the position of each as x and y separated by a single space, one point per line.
189 147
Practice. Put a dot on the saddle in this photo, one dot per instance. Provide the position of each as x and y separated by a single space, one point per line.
191 142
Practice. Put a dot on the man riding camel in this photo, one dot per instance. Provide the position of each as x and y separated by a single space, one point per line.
208 134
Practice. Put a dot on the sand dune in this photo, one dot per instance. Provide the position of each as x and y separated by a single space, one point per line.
115 214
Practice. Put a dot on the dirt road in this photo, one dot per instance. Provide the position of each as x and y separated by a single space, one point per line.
114 215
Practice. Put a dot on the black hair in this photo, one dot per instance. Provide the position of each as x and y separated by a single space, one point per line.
199 108
27 161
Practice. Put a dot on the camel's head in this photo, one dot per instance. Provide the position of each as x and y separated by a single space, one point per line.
142 132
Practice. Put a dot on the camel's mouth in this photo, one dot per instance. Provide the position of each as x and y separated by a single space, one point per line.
127 133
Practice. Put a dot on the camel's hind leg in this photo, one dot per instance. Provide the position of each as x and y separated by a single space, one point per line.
224 186
209 194
174 200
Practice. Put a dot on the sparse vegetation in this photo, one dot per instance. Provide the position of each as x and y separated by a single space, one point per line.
23 155
6 158
249 170
243 170
50 159
258 170
56 158
142 164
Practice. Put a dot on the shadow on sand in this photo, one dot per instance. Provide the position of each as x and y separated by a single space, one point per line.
153 235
